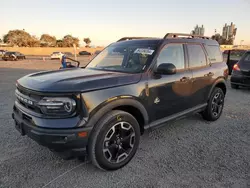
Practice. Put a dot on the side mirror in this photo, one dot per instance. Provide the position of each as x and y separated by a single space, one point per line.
166 68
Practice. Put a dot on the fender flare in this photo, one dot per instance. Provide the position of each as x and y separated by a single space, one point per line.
218 81
104 108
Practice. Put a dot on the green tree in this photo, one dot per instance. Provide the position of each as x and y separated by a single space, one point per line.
20 38
221 40
87 41
59 43
48 41
69 41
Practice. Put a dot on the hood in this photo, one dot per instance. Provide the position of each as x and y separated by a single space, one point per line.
76 80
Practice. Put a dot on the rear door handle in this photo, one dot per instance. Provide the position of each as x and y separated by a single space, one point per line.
209 74
184 79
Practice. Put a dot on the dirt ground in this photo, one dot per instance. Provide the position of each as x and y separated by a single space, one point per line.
39 63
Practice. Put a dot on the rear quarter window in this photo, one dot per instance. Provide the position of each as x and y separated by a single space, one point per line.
214 53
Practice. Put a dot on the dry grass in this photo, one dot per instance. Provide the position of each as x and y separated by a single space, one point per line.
47 51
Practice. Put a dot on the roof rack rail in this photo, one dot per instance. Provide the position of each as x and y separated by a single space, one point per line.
132 38
177 35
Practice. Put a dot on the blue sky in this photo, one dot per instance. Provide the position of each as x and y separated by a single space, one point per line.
105 21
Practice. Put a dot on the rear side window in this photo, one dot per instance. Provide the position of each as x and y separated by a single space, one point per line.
214 53
197 57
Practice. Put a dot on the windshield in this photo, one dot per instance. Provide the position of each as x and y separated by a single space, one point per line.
128 58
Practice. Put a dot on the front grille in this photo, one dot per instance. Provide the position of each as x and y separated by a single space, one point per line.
25 96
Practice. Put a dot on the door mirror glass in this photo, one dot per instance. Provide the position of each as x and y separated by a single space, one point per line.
166 68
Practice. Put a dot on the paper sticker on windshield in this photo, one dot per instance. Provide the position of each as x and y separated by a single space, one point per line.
144 51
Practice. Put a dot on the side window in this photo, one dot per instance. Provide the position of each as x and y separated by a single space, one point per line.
214 53
197 57
174 54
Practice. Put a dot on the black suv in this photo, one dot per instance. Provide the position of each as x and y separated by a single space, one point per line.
133 85
241 72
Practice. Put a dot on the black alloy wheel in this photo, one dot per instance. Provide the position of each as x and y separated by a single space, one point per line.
114 140
215 105
119 142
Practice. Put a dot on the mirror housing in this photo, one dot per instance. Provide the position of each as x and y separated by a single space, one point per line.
166 69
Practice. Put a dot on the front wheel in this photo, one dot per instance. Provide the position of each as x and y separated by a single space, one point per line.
215 105
114 141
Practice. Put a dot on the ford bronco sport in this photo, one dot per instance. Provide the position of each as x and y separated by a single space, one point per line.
133 85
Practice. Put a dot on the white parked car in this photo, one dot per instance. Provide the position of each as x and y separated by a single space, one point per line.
56 55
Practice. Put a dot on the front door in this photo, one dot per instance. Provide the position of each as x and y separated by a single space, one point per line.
170 94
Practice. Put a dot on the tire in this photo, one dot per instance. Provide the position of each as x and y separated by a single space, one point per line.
234 86
106 129
209 113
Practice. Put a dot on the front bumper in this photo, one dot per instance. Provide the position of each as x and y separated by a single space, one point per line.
59 140
241 80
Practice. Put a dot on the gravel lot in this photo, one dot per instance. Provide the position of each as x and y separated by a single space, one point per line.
185 153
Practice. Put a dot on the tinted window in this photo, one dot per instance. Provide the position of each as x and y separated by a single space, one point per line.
214 54
123 57
196 55
9 53
174 54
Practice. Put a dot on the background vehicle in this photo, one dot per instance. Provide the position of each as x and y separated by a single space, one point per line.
68 54
132 85
13 56
232 57
97 52
2 52
241 72
56 55
84 53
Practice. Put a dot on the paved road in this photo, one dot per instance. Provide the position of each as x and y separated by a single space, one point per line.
186 153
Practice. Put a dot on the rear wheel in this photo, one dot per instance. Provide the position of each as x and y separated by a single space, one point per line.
114 141
215 105
234 86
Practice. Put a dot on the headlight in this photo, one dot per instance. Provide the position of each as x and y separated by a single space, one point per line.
57 105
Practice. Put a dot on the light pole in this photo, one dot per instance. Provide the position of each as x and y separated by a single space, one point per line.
241 42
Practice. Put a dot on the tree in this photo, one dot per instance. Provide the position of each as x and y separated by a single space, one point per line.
221 40
20 38
59 43
87 41
69 41
1 40
48 41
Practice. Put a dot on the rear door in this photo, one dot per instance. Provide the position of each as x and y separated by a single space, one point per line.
202 73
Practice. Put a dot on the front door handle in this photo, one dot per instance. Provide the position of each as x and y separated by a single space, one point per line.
209 74
184 79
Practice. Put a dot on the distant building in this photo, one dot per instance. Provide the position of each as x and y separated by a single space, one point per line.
198 30
229 31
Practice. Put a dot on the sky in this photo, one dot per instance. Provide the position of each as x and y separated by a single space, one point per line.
105 21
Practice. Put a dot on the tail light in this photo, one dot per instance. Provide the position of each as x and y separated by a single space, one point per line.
236 67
